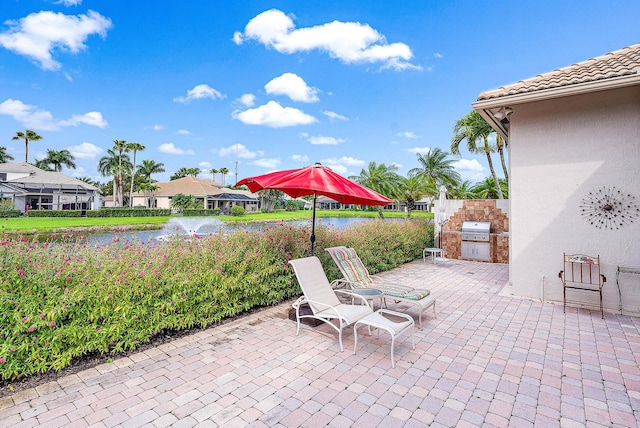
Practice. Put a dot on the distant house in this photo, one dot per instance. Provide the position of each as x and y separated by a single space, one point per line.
210 194
29 187
574 151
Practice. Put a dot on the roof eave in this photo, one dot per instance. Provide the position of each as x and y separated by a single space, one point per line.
484 106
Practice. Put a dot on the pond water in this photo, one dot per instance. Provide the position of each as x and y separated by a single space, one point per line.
200 226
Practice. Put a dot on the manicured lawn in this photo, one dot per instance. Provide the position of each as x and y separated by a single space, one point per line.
57 224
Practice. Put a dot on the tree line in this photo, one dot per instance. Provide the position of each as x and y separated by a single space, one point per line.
435 168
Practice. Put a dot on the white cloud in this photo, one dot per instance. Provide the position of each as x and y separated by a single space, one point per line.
247 100
69 2
33 117
344 160
93 118
171 149
273 115
266 162
37 35
238 151
407 134
438 55
157 127
85 151
350 42
470 169
421 150
300 158
294 87
333 115
322 140
183 132
205 165
199 92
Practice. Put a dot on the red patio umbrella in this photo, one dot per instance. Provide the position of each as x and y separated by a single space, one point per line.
315 180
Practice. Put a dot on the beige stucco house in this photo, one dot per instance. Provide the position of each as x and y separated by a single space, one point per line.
211 194
29 187
574 141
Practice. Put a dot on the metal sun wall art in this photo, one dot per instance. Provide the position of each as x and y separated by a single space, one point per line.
609 208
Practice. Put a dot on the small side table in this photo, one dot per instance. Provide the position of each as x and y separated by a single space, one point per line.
369 294
624 269
434 252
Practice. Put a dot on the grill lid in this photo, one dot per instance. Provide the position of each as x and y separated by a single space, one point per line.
476 227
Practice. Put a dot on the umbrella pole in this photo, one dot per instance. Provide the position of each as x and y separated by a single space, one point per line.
313 224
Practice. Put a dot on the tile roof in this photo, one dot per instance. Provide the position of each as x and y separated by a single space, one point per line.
202 187
37 176
621 63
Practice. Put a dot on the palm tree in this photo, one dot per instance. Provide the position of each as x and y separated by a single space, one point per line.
4 156
43 164
134 147
436 169
183 172
474 129
27 136
89 181
381 178
120 147
148 189
413 189
58 158
149 167
109 165
224 171
501 145
213 172
461 191
487 189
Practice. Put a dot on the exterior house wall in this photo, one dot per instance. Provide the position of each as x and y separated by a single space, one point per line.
559 151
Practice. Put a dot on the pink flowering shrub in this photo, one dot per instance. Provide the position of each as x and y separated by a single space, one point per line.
61 301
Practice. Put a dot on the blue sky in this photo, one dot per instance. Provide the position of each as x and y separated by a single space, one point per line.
281 84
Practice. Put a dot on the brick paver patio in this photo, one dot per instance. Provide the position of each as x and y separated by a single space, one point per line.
488 359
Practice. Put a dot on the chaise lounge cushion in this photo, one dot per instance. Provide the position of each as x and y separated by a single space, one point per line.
357 276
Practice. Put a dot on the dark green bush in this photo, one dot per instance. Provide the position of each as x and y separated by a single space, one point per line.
129 212
10 213
200 212
237 211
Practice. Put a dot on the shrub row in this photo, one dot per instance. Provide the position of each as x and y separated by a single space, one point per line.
62 301
10 213
129 212
54 213
200 212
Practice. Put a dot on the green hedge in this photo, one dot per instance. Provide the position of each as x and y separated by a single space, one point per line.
129 212
54 213
10 213
200 212
59 302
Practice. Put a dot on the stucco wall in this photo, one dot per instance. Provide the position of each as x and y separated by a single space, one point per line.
559 151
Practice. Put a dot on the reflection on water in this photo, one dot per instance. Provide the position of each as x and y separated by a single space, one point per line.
209 228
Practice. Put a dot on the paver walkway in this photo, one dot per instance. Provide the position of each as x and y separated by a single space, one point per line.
488 359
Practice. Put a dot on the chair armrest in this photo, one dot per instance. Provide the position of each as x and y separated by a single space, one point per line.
560 274
353 295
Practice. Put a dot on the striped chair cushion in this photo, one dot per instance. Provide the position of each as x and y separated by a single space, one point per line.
357 275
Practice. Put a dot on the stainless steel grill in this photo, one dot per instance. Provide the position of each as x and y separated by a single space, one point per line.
475 240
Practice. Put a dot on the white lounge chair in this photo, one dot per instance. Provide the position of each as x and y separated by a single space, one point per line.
322 299
357 276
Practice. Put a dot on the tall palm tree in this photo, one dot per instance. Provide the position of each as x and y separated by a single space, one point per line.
4 156
27 136
59 158
224 171
213 172
134 147
109 165
149 167
413 189
381 178
120 147
148 189
475 130
436 169
501 145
